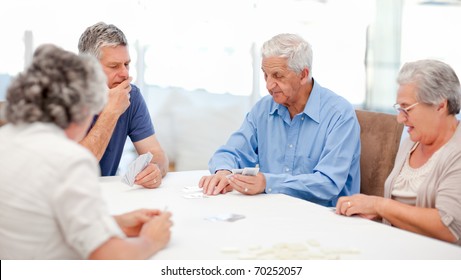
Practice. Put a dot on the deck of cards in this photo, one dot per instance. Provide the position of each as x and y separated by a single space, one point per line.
250 171
135 167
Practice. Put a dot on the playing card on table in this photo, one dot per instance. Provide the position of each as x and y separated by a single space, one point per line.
192 189
195 195
228 217
135 167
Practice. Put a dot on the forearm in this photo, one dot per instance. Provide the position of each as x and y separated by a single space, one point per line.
125 249
425 221
315 187
99 136
161 159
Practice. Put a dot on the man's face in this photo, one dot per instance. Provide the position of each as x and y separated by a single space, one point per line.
115 62
281 82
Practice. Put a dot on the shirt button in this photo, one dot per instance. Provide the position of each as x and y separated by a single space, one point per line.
302 118
287 169
291 146
269 190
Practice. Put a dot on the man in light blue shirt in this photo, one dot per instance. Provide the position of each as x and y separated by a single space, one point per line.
304 137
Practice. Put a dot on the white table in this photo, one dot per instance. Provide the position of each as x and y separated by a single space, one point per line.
288 223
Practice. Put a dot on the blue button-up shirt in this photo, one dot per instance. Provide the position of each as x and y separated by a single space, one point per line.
314 156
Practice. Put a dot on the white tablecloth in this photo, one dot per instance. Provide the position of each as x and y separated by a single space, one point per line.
275 226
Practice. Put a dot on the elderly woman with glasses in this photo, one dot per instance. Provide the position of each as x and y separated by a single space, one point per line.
423 192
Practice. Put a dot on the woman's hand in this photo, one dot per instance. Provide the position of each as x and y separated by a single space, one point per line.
132 222
359 204
157 231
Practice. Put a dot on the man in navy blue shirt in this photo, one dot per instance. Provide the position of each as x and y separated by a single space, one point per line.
125 113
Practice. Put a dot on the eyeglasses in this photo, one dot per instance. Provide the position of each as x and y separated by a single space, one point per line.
405 111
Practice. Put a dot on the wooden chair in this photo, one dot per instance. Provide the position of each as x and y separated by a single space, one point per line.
380 140
2 112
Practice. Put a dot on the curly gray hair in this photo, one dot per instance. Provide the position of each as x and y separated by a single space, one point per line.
58 87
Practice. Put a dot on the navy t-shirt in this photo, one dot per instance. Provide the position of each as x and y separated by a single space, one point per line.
135 122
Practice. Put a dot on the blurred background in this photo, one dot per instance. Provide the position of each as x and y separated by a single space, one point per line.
198 62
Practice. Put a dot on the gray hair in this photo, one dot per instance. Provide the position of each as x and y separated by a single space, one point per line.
58 87
435 82
294 48
100 35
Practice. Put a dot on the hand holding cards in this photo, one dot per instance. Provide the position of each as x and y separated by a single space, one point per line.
250 171
135 167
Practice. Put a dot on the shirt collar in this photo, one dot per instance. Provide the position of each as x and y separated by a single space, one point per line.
312 108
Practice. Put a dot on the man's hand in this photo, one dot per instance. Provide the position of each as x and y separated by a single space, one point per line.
150 177
119 97
215 184
248 184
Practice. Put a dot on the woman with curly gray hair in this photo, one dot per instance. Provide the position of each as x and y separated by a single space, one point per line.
49 183
59 87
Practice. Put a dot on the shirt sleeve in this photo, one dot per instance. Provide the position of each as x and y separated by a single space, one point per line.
80 209
239 151
141 125
448 196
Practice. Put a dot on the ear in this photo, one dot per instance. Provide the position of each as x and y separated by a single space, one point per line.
443 106
303 75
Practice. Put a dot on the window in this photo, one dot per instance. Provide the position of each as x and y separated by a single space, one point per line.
213 45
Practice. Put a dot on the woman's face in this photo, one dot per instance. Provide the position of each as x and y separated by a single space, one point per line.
421 119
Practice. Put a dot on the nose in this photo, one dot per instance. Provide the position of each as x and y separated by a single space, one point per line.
270 83
124 72
401 117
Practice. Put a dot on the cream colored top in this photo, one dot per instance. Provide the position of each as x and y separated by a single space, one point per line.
51 205
410 179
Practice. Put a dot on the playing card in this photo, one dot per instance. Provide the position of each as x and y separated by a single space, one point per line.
135 167
250 171
193 189
225 217
195 195
237 171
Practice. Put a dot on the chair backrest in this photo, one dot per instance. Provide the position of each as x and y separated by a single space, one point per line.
380 140
2 112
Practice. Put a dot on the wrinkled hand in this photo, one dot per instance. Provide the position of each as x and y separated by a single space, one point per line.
358 204
150 177
216 183
119 97
158 230
132 222
248 184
